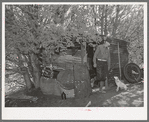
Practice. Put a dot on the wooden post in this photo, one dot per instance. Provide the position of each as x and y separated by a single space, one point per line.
119 60
83 52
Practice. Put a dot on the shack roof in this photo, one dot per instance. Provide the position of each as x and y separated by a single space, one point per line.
116 41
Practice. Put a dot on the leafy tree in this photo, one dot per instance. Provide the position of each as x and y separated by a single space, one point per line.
26 32
123 22
34 30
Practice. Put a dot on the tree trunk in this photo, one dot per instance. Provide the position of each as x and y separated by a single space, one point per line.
95 24
94 12
115 24
83 53
27 79
102 21
24 71
36 70
105 29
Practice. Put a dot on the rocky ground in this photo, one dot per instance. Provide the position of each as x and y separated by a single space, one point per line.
133 97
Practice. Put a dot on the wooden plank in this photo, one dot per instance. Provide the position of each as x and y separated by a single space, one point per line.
119 61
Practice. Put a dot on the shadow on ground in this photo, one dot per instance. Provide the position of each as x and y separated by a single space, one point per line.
133 97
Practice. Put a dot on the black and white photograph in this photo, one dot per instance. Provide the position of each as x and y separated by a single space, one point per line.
82 56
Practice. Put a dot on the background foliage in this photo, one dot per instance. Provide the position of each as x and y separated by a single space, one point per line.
52 27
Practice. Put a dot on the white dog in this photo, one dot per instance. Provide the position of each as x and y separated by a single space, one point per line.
119 84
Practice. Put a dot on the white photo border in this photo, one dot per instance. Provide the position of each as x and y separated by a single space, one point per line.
74 113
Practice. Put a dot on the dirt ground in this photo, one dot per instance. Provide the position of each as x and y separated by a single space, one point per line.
133 97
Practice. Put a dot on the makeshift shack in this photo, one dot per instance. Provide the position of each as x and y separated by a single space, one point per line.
73 71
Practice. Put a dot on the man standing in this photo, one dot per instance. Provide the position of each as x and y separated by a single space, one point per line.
101 61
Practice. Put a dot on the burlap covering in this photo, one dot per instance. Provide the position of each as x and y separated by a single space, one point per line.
82 81
66 79
77 79
50 86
